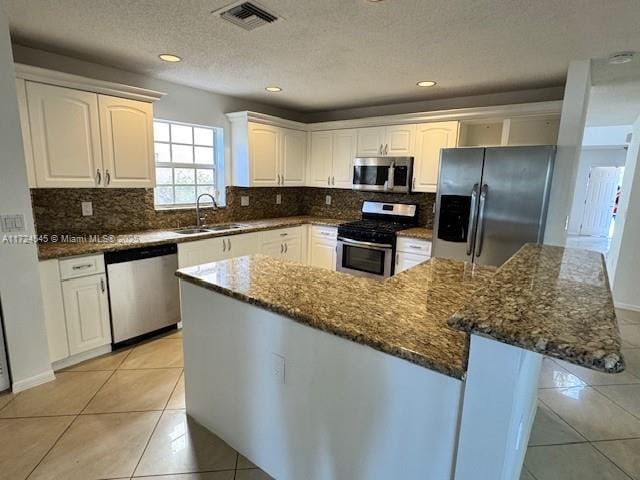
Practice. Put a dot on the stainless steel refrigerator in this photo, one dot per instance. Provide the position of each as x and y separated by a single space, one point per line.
491 201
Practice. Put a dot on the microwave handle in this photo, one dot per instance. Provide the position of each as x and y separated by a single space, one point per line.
390 177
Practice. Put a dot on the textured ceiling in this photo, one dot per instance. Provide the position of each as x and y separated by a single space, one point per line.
615 95
329 54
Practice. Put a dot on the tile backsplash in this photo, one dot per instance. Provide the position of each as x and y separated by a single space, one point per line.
121 210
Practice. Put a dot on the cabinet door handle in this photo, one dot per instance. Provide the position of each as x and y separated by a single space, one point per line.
281 248
107 177
229 243
279 179
329 180
413 184
98 176
397 258
286 248
333 180
380 149
102 284
82 267
284 234
224 245
386 148
416 247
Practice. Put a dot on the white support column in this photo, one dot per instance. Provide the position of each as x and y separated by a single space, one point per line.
574 111
498 410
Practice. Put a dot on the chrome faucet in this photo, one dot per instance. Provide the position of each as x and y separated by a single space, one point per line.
215 206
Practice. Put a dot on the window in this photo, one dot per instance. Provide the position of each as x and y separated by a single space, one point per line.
185 163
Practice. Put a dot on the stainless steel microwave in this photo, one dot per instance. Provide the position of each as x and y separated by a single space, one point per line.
383 174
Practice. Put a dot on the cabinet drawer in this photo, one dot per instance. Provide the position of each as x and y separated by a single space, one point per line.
81 266
281 234
411 245
320 232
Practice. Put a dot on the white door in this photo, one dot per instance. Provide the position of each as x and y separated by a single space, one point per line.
87 313
202 251
399 140
405 261
371 141
600 201
293 249
320 159
323 253
264 151
344 150
430 139
65 136
126 128
294 156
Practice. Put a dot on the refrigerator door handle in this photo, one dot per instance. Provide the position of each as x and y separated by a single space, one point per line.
472 219
480 234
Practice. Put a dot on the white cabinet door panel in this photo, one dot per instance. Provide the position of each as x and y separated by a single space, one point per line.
264 151
344 150
405 261
65 132
320 159
127 142
87 314
399 140
323 253
430 139
294 153
202 251
371 141
245 244
54 317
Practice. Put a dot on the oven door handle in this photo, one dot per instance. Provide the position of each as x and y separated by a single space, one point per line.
365 244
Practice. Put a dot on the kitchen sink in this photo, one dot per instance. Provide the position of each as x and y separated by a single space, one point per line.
214 228
229 226
191 231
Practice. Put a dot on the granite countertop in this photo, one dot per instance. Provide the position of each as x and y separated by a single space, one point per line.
404 315
552 300
417 232
88 245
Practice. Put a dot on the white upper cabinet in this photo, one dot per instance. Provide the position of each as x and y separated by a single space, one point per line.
371 141
320 159
264 152
74 138
294 154
65 136
331 159
430 139
394 140
126 128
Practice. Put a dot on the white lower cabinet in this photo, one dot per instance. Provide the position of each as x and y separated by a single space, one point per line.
215 249
322 247
404 261
411 252
286 243
87 312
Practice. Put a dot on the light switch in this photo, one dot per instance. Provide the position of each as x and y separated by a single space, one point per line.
278 368
327 199
87 209
244 200
278 199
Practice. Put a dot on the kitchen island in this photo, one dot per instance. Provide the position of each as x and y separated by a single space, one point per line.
430 374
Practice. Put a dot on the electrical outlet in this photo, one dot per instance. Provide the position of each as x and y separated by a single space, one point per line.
87 209
278 368
278 199
327 199
244 200
12 223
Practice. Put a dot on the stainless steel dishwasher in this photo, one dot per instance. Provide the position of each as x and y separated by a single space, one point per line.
144 296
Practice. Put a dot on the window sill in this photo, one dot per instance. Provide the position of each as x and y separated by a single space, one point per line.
162 208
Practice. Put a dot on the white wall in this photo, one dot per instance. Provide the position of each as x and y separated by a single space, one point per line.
600 136
623 262
572 122
19 278
591 157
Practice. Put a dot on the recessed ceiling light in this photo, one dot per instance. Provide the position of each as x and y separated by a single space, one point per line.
621 57
273 89
427 83
167 57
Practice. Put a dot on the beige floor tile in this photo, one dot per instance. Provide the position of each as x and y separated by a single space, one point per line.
550 429
180 445
135 391
227 475
156 354
176 402
632 360
592 377
525 475
253 474
110 361
627 396
5 398
68 394
552 375
627 317
579 461
98 446
624 453
630 334
244 462
24 441
592 414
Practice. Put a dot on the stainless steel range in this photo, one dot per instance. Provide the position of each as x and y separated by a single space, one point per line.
367 247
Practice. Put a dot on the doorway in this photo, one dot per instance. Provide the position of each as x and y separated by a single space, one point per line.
600 206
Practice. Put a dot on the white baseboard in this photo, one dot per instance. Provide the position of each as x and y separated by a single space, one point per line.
81 357
34 381
627 306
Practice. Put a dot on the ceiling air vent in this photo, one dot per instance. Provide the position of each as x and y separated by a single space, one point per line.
248 16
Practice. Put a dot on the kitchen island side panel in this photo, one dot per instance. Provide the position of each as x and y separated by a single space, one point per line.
344 410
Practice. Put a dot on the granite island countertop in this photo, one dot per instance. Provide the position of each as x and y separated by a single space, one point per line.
405 315
551 300
416 232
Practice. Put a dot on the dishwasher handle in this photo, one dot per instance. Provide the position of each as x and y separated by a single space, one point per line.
134 254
